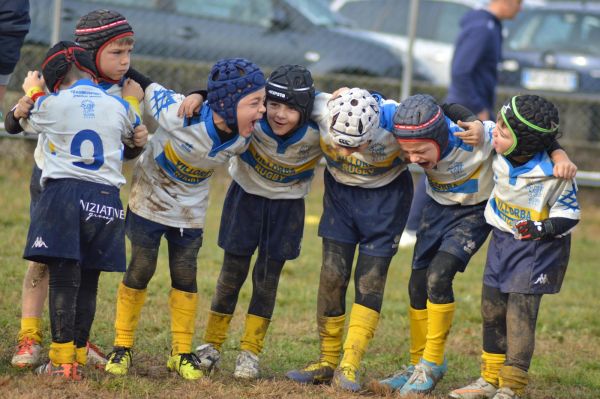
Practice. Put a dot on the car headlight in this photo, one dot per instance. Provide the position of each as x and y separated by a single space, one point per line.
510 65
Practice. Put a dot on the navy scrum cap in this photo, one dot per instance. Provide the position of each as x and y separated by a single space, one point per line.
420 118
59 60
229 81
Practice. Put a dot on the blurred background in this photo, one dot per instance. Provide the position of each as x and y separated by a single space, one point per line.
552 47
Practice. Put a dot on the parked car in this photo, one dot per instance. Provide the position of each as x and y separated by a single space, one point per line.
554 48
269 32
437 28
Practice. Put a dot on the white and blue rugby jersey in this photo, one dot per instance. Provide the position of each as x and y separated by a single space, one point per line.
463 176
112 89
83 128
375 166
275 168
171 178
529 191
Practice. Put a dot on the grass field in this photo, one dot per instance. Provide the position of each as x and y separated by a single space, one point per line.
566 363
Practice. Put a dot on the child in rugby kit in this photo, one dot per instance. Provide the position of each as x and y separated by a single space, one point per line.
452 226
77 225
367 195
169 196
264 209
532 214
109 38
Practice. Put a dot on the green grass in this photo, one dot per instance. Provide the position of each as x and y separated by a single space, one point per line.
565 363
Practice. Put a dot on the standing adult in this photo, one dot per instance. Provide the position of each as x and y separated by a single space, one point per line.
14 25
478 50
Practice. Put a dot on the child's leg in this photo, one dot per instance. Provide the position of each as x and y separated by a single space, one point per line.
265 279
35 290
33 296
85 312
183 297
521 318
440 305
336 270
131 294
64 281
369 281
417 291
494 314
233 274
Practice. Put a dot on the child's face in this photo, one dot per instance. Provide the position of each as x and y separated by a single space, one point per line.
347 151
423 153
250 110
281 117
502 138
115 59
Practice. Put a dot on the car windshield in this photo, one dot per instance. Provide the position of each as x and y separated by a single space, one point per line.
317 12
438 21
538 30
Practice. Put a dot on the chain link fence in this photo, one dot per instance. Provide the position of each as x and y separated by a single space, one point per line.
178 40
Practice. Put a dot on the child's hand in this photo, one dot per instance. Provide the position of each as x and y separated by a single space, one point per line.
473 132
140 135
565 169
132 88
23 107
33 79
190 105
530 230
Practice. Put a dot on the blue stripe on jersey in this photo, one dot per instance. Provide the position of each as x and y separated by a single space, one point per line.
207 117
471 186
361 168
541 159
175 172
283 144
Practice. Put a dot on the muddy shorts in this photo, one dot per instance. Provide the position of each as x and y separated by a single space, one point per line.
526 267
456 229
374 218
78 220
147 233
249 221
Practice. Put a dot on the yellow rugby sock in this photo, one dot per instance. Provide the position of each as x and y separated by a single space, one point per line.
31 327
183 318
490 366
62 353
216 328
81 355
129 307
362 326
331 332
255 331
418 333
439 322
513 378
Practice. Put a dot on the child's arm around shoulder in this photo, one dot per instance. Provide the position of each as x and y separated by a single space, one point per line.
563 167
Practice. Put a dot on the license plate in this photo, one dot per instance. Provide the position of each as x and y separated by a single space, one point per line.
548 79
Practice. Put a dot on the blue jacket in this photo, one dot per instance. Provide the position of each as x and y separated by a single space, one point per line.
477 53
14 25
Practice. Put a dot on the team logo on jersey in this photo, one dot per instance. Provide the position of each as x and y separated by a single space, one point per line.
456 169
535 193
187 147
100 211
303 153
470 247
377 152
39 243
88 109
